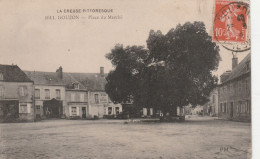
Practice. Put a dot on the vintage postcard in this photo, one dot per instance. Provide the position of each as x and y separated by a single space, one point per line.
125 79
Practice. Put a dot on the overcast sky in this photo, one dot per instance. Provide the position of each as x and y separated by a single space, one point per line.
80 45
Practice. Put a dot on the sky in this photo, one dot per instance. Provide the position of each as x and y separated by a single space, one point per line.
80 45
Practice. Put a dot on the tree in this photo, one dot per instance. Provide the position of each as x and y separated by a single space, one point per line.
122 82
176 70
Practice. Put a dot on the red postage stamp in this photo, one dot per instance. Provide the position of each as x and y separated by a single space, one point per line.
230 23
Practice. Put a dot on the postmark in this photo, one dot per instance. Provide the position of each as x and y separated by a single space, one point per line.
231 25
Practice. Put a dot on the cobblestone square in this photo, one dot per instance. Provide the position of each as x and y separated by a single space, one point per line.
66 139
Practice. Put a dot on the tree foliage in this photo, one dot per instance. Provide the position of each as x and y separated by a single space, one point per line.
174 70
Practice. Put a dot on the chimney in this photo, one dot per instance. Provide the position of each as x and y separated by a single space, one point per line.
234 61
102 72
59 73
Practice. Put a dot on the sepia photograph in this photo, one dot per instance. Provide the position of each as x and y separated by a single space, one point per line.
125 79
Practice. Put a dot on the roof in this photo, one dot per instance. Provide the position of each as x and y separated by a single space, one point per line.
240 69
86 81
44 78
92 81
12 73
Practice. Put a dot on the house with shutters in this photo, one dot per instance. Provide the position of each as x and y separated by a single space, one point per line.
49 93
99 104
16 95
76 106
71 95
234 100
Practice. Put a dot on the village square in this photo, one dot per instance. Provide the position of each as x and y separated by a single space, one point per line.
92 80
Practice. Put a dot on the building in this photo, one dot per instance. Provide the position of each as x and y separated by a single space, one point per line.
16 95
99 103
198 110
49 93
211 107
72 95
235 91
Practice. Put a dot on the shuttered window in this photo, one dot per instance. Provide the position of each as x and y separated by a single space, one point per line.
47 94
57 94
81 97
37 93
1 91
22 91
24 108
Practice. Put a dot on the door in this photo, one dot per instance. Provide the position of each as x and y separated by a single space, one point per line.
84 112
148 112
38 112
231 109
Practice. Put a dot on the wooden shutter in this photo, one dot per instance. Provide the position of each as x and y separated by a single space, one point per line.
28 108
151 111
69 111
77 111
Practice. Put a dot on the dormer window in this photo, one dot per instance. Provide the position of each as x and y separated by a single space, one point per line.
76 86
248 66
1 76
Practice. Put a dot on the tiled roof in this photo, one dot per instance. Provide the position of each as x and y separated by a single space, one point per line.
92 81
12 73
44 78
89 81
240 69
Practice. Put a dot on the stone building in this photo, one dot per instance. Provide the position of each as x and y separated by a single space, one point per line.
211 107
49 93
72 95
235 91
16 95
99 103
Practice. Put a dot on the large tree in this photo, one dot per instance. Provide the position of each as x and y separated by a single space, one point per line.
128 62
176 70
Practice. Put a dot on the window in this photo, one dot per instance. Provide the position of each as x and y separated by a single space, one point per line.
47 94
1 91
57 94
96 98
247 106
23 108
81 97
225 107
22 91
228 89
73 97
1 76
231 88
117 110
37 93
76 86
220 107
38 109
213 99
239 107
248 66
246 85
74 111
109 110
239 86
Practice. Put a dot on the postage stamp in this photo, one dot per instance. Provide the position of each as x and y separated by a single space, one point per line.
231 24
231 21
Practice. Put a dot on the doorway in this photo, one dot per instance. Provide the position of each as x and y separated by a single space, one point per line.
231 109
84 113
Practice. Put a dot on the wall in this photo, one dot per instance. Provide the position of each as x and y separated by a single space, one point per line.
100 107
52 91
238 92
76 102
12 92
39 102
